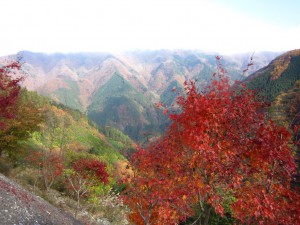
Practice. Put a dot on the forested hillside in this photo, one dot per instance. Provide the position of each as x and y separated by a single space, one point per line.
120 89
278 77
278 84
59 128
58 153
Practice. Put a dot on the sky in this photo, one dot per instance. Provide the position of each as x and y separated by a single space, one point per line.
224 26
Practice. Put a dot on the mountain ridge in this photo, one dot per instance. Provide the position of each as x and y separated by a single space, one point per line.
77 79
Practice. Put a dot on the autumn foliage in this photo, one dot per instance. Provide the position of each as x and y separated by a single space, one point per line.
221 155
85 174
9 89
91 169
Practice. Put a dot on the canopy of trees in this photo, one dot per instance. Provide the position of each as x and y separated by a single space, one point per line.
221 158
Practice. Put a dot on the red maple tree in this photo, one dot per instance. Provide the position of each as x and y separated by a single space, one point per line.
221 154
85 173
9 89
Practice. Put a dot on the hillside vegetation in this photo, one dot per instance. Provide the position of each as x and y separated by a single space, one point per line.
187 175
279 76
278 84
42 141
120 89
62 129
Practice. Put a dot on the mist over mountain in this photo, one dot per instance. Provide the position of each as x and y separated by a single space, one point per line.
120 89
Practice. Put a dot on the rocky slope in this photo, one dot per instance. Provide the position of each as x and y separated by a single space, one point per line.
18 206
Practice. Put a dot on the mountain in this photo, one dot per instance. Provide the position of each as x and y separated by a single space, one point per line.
119 104
278 77
120 89
279 84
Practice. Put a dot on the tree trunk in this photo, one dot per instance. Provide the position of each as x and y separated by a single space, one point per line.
200 222
207 214
78 204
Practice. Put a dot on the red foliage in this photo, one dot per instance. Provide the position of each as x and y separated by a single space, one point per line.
9 89
149 195
86 173
90 169
221 145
